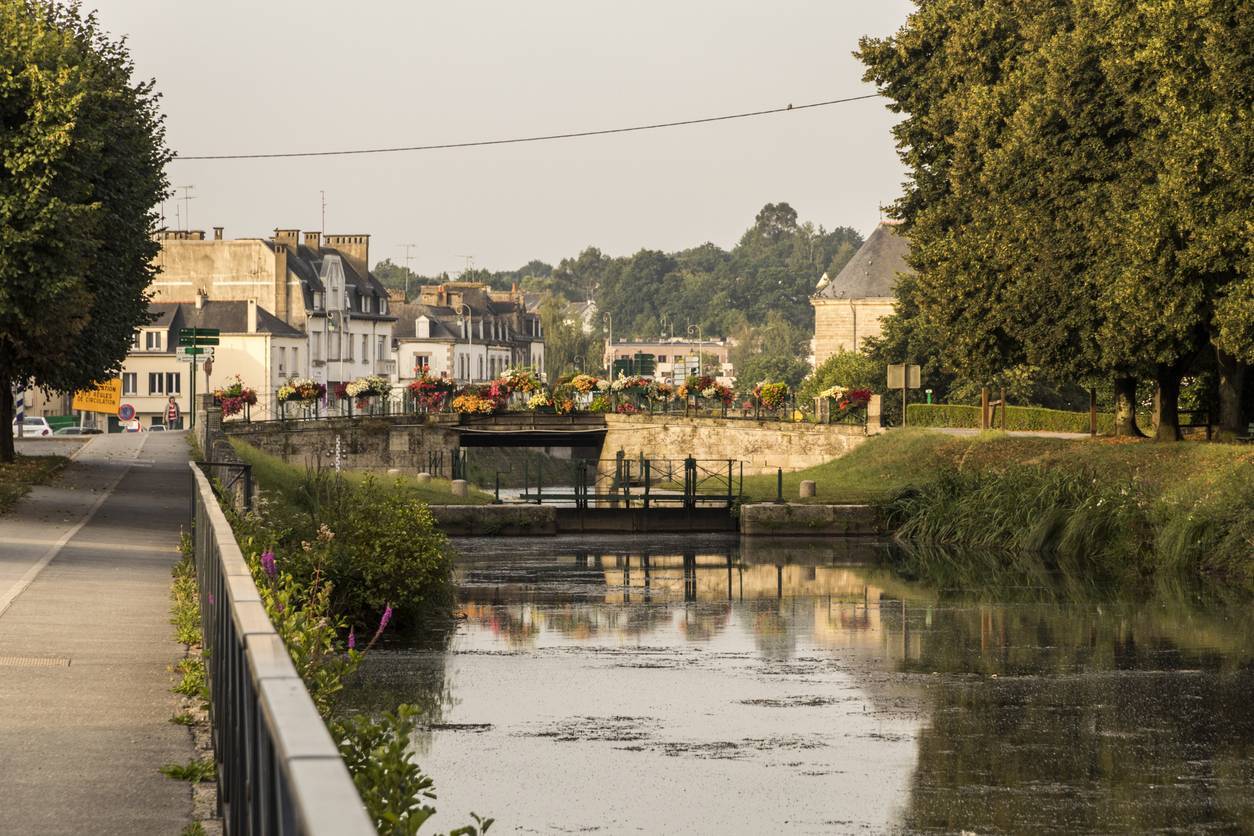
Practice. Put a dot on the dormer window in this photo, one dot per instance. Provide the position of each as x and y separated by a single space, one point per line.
383 306
152 340
317 300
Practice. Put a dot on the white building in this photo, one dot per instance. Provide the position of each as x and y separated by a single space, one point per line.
462 331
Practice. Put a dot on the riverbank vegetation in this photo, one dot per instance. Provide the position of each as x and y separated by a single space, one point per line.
23 473
1110 508
286 482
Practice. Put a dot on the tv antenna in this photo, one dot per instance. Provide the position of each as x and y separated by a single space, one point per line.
470 263
322 230
187 210
408 258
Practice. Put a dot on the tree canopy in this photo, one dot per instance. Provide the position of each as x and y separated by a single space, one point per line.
82 160
1079 186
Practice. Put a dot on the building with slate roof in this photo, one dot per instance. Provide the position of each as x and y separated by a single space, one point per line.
850 307
318 285
465 331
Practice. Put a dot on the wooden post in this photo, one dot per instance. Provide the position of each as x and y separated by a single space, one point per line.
1092 413
984 418
905 387
1003 408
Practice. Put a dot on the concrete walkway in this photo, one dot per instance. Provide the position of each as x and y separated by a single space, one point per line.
86 644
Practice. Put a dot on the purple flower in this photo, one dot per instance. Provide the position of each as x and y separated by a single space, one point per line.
387 616
267 564
352 639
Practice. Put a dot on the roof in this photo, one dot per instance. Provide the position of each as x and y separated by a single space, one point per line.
407 312
227 317
872 272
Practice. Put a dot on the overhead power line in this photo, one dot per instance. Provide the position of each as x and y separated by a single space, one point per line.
521 139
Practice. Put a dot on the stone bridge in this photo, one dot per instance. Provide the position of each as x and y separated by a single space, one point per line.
417 443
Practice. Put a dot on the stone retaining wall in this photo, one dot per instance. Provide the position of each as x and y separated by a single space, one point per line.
810 520
763 446
404 443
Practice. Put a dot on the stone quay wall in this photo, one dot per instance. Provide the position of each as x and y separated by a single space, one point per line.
407 443
763 446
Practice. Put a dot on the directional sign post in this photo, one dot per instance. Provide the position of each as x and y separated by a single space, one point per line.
192 350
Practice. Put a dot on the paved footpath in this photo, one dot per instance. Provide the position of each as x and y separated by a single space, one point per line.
86 644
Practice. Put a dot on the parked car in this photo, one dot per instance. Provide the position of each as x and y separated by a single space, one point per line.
157 428
33 427
78 431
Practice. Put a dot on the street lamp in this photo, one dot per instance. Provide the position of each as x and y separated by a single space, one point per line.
696 329
608 320
468 321
666 327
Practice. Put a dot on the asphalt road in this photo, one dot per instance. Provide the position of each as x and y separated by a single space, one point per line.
86 645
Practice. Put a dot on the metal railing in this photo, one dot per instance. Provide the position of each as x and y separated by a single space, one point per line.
232 481
645 483
279 771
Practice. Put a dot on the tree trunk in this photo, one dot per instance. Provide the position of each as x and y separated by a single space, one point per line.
6 419
1167 404
1125 407
1232 378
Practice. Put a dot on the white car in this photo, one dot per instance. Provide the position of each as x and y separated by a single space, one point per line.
33 427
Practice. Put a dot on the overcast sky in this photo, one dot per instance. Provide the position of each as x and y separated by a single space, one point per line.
240 76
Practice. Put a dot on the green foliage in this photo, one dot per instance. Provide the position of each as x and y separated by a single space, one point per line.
192 682
194 771
185 600
567 349
193 829
849 369
183 719
82 161
376 752
1017 418
770 351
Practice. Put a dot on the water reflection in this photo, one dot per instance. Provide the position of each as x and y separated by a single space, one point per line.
810 688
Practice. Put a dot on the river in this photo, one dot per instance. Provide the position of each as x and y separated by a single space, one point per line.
708 685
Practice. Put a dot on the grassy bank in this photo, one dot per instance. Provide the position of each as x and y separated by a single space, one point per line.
1106 508
18 478
277 476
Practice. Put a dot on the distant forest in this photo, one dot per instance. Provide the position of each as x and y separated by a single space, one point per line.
768 275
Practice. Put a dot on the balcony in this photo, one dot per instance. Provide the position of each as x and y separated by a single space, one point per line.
385 367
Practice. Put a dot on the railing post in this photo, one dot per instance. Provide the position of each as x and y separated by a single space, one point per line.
648 476
779 486
526 477
729 483
540 482
497 500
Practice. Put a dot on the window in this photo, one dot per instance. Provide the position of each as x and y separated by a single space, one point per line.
381 348
130 385
156 383
295 361
282 360
152 340
365 348
422 363
383 306
481 366
317 345
348 346
317 300
173 383
366 304
135 341
661 358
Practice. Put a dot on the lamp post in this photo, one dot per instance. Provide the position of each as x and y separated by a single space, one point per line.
608 319
666 327
696 329
468 321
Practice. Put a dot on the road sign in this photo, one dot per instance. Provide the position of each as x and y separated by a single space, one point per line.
126 412
903 376
104 398
186 354
200 332
198 341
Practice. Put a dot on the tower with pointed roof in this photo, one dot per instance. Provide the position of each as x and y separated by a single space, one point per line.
851 307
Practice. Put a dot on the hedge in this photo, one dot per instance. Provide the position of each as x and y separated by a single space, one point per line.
1017 418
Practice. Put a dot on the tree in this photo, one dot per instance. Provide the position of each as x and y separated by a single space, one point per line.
567 349
82 160
770 352
850 369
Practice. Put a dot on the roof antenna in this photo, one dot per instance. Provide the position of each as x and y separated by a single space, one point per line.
323 229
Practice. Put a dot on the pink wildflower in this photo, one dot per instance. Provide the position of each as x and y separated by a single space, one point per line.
267 564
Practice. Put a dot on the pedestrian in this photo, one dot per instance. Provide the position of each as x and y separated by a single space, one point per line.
173 417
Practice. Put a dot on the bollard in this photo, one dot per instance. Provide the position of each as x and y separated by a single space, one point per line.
424 478
497 501
460 487
808 488
779 486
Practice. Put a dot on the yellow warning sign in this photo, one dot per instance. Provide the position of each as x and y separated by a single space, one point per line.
106 397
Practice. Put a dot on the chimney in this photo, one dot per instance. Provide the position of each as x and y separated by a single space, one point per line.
281 309
313 240
287 237
354 248
200 300
217 233
252 316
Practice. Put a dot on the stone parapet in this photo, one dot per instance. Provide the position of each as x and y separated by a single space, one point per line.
772 519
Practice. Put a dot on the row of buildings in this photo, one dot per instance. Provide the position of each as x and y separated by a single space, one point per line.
306 305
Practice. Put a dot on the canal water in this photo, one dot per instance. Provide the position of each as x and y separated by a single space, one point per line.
705 685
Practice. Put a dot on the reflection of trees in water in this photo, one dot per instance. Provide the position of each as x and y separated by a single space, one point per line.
702 622
1098 720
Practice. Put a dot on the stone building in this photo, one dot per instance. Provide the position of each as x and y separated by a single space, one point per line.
850 307
465 331
320 285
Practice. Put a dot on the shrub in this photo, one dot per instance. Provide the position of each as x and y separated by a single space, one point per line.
1017 418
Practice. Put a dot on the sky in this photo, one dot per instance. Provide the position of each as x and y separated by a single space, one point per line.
263 76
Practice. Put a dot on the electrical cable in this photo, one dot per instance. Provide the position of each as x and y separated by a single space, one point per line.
517 140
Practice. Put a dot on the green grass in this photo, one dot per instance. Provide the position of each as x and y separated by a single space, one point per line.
16 479
195 771
1107 509
276 476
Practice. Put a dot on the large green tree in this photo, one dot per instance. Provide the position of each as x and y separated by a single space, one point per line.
1079 182
82 160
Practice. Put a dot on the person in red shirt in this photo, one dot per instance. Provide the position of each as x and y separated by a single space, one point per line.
173 416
